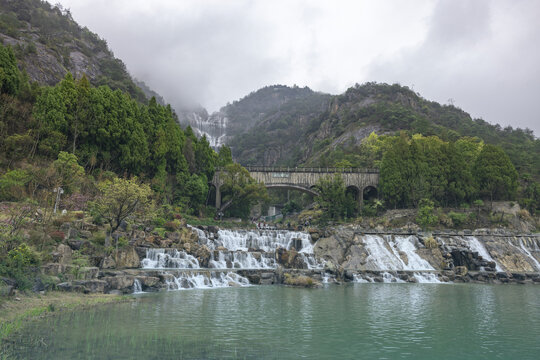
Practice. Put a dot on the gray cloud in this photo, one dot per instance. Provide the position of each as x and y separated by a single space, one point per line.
480 53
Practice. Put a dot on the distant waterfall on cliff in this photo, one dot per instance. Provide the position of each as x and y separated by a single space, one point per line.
213 126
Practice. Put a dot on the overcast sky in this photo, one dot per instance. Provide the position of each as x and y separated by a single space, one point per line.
483 55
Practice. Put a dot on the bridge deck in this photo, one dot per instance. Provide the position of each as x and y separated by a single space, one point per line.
331 170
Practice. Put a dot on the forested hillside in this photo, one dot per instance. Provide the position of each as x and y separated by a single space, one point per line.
48 44
332 129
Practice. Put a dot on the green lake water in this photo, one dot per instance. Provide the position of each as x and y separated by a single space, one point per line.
355 321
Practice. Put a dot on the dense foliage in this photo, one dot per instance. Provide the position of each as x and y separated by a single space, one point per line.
449 173
91 130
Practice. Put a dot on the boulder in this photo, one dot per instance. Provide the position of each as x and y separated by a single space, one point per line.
108 263
203 255
330 249
120 282
7 290
88 273
148 281
53 269
75 244
127 258
85 234
63 254
91 286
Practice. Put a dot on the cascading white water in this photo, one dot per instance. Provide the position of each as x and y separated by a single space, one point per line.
267 241
242 260
169 259
205 280
426 278
477 246
384 253
528 253
137 287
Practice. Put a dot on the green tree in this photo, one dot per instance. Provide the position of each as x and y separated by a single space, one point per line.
224 156
494 173
240 188
426 217
10 76
333 198
68 170
395 172
119 199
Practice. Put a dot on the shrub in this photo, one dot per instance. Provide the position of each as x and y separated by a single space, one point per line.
458 218
430 243
299 280
172 225
57 236
99 238
159 221
524 214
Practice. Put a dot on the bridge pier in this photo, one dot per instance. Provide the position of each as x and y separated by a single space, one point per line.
218 197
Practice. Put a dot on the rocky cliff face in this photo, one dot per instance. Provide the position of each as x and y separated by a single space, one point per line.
352 251
49 43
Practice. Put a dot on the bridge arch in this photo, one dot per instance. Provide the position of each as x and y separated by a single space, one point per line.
310 190
364 182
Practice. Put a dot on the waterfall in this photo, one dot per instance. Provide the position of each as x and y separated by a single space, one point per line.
477 246
137 287
528 253
398 253
205 280
169 259
229 250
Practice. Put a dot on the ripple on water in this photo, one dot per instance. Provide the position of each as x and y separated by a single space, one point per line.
371 321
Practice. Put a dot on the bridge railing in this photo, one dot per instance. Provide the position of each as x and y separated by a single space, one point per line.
331 170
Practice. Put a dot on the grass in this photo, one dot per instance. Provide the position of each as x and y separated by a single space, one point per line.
15 313
299 280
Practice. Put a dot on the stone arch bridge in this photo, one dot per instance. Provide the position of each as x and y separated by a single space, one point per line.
364 182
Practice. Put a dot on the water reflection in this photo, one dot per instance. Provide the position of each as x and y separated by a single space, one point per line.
372 321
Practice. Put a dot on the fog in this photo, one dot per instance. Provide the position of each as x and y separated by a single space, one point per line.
480 55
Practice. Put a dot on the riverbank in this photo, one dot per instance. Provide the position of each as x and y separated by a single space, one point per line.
19 309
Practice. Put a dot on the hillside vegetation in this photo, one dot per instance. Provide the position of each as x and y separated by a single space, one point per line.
48 44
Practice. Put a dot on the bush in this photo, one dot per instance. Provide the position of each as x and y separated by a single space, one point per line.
172 225
299 280
99 238
430 243
158 221
458 218
57 236
524 214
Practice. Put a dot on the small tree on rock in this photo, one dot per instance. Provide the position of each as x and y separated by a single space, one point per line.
120 198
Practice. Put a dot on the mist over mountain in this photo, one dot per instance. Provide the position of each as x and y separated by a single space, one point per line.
292 126
49 43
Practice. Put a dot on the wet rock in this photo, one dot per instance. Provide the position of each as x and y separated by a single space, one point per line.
461 270
203 255
330 249
148 281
